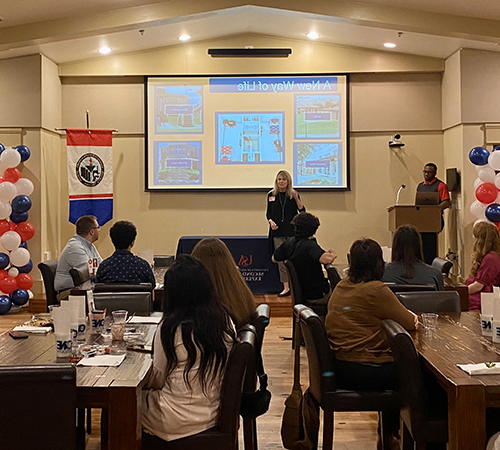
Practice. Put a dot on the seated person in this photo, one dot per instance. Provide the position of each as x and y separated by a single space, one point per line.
191 349
229 284
356 309
307 257
123 266
79 252
407 266
485 269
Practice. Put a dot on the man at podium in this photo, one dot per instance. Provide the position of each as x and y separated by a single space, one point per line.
430 185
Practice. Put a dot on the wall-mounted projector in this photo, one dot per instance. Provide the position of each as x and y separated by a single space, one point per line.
249 52
395 141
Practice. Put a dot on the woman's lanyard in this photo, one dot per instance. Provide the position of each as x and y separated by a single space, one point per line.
282 199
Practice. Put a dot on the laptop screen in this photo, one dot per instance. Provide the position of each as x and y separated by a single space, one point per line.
427 198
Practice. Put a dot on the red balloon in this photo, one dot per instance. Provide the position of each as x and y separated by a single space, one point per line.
486 193
12 175
25 229
3 274
4 226
24 281
8 284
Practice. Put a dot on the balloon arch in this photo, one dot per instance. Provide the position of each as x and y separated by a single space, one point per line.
15 230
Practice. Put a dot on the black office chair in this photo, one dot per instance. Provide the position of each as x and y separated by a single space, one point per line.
333 275
224 435
423 402
39 404
134 302
322 381
296 291
79 275
48 270
430 302
443 265
260 320
394 287
123 287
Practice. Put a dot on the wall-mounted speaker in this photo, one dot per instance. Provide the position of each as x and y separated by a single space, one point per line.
249 52
453 179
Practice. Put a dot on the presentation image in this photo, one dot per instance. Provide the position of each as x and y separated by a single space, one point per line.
178 109
317 164
249 138
317 116
226 133
178 163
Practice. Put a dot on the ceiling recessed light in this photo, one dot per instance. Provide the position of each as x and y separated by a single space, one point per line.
104 50
184 37
389 45
312 35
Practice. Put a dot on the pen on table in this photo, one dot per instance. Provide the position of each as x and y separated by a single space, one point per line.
130 317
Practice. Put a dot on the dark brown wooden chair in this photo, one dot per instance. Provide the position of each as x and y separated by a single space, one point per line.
134 302
423 402
48 270
394 287
333 275
322 380
39 405
224 435
443 265
430 302
123 287
79 275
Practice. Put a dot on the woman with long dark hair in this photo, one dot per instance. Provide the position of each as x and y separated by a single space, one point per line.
485 268
407 266
191 348
228 282
356 309
283 203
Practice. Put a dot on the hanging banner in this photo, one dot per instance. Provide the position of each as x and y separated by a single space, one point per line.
90 174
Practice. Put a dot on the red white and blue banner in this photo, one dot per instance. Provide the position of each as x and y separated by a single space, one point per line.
90 174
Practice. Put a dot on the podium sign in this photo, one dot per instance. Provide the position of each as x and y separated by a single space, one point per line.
426 218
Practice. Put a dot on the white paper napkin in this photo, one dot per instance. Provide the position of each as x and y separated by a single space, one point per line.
102 360
30 329
145 319
481 369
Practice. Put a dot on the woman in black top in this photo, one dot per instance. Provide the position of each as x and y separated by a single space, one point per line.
283 203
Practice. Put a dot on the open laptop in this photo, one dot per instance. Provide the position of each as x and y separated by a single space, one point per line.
427 198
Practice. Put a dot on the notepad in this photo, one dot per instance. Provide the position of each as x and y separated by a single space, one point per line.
31 329
102 360
145 319
481 368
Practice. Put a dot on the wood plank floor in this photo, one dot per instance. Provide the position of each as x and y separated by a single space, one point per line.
353 431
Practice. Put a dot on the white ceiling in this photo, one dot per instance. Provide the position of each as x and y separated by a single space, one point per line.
38 26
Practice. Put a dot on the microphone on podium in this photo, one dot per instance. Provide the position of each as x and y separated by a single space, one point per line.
399 191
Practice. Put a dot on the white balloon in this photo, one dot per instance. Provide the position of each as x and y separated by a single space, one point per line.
494 160
7 191
10 240
10 158
477 182
478 221
24 187
30 294
13 272
486 174
477 209
5 210
20 257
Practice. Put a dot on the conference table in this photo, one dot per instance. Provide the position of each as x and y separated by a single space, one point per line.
117 390
458 340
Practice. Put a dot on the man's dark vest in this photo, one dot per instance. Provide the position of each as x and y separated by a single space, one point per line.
429 187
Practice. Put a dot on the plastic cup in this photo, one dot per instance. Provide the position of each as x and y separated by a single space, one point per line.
97 321
119 316
430 320
63 345
486 324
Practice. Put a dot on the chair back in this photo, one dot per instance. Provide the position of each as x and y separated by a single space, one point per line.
333 275
260 321
48 270
80 275
443 265
123 287
394 287
319 355
39 407
134 302
293 278
430 302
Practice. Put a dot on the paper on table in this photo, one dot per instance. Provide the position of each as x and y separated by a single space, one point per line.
148 255
145 319
102 360
387 254
31 329
481 368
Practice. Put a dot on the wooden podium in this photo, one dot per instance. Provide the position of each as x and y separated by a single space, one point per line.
426 218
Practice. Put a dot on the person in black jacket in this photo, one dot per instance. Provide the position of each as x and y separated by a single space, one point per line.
283 203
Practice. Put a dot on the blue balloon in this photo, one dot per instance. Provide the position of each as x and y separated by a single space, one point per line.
479 156
496 148
20 297
24 152
493 212
27 268
2 148
21 204
5 304
19 217
23 244
4 260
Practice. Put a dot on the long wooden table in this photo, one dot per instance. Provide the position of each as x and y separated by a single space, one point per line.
117 390
458 340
